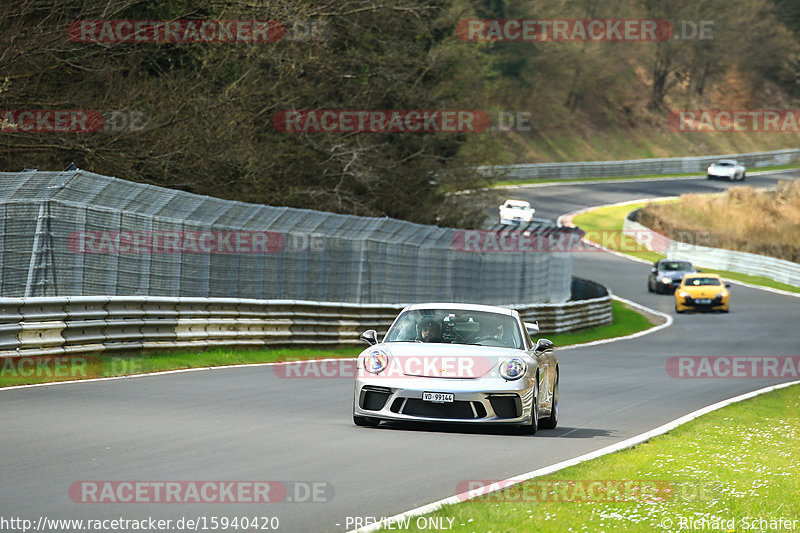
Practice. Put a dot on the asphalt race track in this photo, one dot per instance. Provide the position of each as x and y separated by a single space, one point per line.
249 424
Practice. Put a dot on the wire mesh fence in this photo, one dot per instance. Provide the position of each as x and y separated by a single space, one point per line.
76 233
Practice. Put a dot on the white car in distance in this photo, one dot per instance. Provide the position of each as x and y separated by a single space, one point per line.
515 212
727 168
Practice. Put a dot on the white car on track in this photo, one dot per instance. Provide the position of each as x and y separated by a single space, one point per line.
515 212
458 363
727 168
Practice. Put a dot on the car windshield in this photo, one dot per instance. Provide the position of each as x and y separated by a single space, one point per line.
676 265
457 326
725 163
517 206
697 282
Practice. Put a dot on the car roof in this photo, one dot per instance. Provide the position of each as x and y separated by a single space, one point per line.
462 307
702 275
518 202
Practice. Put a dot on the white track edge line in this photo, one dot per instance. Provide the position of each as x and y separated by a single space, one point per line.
657 327
627 443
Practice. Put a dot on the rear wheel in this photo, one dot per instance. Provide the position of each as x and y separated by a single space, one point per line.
552 421
364 421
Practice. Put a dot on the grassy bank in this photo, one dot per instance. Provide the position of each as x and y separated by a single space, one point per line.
731 467
742 218
625 321
607 222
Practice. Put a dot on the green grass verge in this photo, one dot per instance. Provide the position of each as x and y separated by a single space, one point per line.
507 183
625 321
738 464
610 220
105 365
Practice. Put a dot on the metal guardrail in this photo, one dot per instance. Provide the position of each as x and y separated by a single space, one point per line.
88 324
634 167
717 258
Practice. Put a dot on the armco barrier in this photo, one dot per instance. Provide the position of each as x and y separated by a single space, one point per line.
717 258
634 167
85 324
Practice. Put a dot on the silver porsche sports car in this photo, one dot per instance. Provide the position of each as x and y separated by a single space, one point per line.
458 363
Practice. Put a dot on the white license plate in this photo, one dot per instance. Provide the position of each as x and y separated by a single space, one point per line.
438 397
703 301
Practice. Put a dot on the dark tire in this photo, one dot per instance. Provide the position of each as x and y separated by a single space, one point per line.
744 176
552 421
530 429
649 286
366 422
679 311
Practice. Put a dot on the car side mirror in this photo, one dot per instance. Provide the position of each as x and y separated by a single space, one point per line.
697 270
544 345
370 337
727 285
654 269
532 328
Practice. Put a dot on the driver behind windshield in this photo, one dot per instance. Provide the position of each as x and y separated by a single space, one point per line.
429 331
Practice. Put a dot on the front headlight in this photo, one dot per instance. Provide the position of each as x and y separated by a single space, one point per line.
666 281
722 294
513 368
376 361
683 294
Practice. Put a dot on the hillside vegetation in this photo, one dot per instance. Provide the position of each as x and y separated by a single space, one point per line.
742 218
199 116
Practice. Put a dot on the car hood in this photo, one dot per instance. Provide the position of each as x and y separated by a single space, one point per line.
703 291
434 360
674 274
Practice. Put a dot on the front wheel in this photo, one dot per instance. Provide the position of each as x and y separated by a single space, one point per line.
552 421
363 421
530 429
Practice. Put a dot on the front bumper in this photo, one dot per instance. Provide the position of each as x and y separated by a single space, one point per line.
715 303
487 400
727 176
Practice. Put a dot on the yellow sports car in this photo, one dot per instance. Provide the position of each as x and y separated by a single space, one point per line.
702 291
